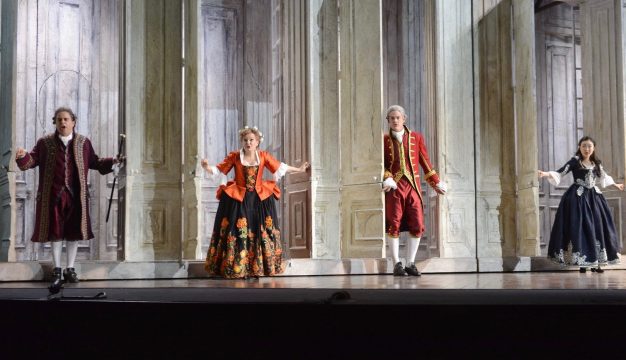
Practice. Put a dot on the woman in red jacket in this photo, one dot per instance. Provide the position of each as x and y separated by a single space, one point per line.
246 240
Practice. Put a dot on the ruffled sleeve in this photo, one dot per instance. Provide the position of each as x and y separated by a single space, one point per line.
605 179
391 183
555 177
228 163
216 175
282 170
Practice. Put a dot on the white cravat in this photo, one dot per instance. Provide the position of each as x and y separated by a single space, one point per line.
398 135
66 139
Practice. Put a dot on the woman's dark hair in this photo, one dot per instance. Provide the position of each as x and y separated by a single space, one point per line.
593 158
63 109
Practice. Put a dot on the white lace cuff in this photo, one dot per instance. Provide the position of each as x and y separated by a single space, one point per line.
554 178
606 180
282 170
391 183
442 186
214 174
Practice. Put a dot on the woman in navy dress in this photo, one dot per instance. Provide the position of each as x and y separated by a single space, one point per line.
583 233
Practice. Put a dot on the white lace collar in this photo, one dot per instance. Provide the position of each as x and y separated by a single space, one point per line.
590 167
244 163
398 134
66 139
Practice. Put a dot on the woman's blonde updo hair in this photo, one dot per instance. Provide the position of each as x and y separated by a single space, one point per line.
247 130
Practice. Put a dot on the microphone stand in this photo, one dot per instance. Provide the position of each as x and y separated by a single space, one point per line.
119 155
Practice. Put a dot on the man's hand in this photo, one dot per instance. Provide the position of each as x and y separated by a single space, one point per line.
389 184
119 159
441 188
20 153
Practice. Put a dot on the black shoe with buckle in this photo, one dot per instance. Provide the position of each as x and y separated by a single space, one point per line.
70 275
57 281
412 270
398 270
582 269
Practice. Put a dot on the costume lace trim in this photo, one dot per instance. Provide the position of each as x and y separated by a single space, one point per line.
575 258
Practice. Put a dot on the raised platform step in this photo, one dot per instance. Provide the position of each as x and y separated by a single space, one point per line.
119 270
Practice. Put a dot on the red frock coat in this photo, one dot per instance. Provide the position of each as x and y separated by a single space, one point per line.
404 206
237 189
51 168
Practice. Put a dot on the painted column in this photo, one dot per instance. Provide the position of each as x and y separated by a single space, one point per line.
360 121
153 111
455 137
8 29
324 113
506 136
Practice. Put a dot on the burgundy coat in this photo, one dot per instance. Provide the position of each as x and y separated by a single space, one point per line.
44 156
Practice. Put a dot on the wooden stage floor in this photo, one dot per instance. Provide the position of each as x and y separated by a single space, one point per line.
564 287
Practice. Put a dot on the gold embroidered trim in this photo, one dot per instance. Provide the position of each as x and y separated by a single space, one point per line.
48 176
426 163
29 163
429 174
79 142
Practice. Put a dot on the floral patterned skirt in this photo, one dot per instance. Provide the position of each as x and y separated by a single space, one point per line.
245 241
583 233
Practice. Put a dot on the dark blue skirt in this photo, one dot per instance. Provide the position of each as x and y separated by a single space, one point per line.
583 233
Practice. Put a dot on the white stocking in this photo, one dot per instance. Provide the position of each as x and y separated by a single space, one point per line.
72 249
414 243
394 247
57 248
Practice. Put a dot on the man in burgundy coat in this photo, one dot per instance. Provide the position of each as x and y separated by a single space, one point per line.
404 150
62 211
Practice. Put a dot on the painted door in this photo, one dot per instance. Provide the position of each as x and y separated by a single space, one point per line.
293 105
68 56
404 81
559 103
242 74
603 32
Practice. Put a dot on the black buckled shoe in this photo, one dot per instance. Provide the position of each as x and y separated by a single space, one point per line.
398 269
412 270
57 281
70 275
599 270
582 270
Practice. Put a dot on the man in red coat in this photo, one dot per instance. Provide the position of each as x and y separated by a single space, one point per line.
62 211
404 210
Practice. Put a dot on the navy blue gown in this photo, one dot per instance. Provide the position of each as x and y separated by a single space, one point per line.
583 233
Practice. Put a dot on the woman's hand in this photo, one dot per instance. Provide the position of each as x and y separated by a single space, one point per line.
205 165
542 174
20 153
620 186
305 165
